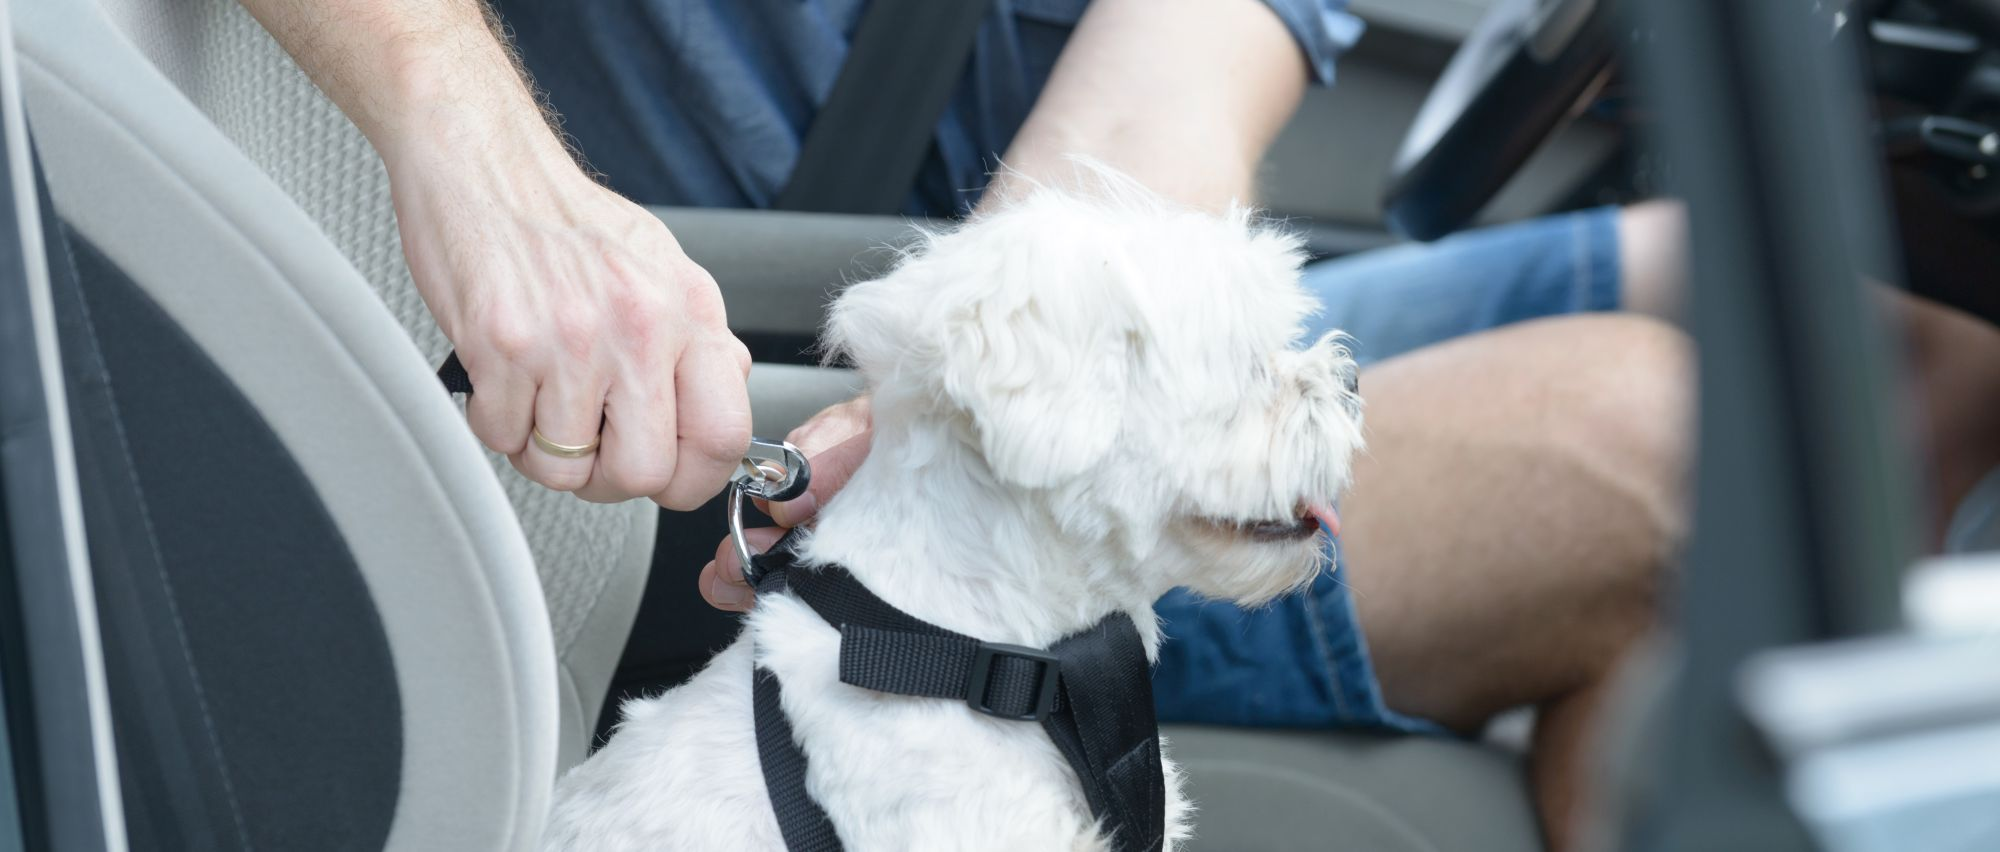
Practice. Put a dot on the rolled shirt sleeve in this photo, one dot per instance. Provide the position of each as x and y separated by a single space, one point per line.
1324 30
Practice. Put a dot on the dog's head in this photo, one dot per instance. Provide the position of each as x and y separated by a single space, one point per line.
1130 373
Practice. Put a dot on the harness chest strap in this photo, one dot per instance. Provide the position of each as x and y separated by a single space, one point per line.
1091 692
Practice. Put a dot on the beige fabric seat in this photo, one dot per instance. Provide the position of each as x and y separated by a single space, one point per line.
149 188
592 559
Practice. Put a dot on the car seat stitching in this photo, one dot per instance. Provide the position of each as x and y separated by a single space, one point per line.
152 540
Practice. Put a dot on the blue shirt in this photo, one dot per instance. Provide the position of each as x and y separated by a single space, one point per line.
705 102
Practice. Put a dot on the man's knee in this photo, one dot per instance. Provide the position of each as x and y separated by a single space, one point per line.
1623 422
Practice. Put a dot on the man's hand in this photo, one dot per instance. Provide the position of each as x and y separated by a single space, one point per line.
574 311
835 441
572 307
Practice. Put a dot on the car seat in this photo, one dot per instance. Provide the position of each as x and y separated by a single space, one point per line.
321 616
210 63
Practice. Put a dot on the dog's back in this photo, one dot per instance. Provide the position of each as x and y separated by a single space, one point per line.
682 771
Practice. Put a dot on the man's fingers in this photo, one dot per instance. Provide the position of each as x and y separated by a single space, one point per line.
723 595
637 457
831 469
712 407
759 539
503 410
722 578
835 441
568 413
833 425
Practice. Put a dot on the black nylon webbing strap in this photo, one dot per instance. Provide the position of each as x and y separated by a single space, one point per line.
1114 730
1012 685
452 374
800 819
1092 692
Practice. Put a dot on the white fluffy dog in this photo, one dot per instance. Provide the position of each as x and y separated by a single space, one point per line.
1080 403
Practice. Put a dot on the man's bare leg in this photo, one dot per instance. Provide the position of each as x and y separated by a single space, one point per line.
1951 359
1953 371
1511 521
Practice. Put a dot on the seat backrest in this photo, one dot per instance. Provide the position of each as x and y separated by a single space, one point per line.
592 559
277 428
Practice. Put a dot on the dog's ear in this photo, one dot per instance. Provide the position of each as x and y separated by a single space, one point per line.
1043 367
1033 340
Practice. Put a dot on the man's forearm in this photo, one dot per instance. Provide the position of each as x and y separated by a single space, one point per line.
1184 95
410 71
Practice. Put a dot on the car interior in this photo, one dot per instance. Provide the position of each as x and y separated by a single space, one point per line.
326 615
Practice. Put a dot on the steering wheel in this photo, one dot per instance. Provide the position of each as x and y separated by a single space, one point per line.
1523 73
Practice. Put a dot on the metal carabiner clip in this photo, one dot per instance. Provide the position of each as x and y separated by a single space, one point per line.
771 470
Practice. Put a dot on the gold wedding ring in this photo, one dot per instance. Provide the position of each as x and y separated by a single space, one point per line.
563 451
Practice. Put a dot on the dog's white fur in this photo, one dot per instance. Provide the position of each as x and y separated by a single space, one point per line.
1074 400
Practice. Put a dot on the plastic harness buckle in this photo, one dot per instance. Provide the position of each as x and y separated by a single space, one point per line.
1048 676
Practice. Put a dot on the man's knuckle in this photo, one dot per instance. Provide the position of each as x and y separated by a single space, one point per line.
509 335
737 352
640 317
702 300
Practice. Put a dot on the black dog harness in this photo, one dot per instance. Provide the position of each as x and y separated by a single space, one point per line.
1092 692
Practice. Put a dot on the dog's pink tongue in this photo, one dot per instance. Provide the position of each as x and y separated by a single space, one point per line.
1328 519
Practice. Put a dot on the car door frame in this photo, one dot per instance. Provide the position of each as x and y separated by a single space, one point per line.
60 783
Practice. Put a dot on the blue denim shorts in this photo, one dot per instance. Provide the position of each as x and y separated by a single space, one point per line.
1301 661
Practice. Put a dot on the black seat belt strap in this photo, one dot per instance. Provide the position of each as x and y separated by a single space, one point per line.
865 146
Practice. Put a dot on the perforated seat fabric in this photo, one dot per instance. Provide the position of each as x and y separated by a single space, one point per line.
592 559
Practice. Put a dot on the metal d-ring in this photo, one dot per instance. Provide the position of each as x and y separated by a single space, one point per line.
736 498
775 470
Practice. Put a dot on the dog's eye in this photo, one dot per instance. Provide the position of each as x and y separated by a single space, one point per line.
1354 381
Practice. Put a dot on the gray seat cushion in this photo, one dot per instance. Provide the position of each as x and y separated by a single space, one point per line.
1349 792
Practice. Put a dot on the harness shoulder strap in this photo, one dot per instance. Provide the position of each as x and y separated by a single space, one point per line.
1114 742
801 820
